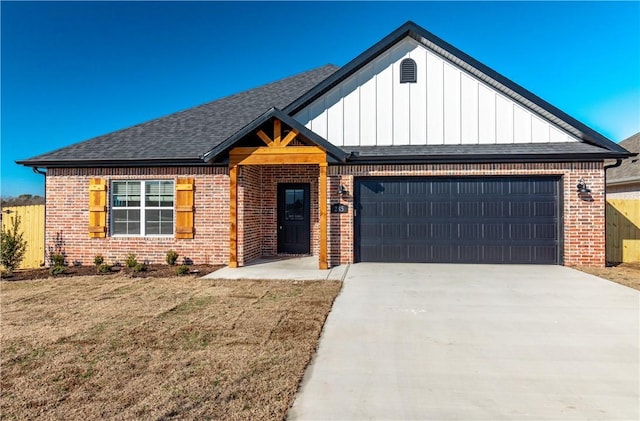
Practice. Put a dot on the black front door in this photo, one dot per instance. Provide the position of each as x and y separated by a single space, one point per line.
294 217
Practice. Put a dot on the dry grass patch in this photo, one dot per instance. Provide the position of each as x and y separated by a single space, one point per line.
627 274
117 347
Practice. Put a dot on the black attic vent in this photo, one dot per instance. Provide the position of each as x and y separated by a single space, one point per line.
408 71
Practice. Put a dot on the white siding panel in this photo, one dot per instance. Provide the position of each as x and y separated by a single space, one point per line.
435 100
335 128
401 110
469 108
445 106
367 82
384 100
451 105
418 94
539 130
504 120
318 116
557 135
486 115
351 121
521 125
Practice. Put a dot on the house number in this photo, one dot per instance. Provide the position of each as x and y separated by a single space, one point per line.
339 208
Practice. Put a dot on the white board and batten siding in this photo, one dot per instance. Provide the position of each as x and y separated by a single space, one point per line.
446 106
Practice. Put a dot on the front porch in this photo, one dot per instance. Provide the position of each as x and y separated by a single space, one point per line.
278 200
279 268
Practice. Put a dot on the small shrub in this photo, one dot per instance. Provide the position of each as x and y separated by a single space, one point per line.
12 245
57 270
172 257
57 259
103 268
131 260
56 250
182 270
139 267
98 260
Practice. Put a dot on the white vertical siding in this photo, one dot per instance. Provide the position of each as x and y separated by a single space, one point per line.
384 101
469 115
486 115
445 106
504 120
335 114
418 100
451 83
435 100
351 123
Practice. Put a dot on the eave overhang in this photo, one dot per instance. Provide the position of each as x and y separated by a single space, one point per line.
106 163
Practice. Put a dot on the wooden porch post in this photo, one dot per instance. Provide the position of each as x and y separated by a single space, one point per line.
233 216
322 198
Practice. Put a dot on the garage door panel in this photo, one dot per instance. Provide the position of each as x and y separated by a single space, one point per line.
491 219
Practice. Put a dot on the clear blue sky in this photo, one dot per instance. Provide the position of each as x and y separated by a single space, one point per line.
72 71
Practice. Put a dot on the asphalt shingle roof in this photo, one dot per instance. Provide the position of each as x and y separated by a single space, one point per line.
630 168
187 134
491 152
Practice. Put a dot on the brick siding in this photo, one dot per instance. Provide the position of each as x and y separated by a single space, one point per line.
67 213
67 209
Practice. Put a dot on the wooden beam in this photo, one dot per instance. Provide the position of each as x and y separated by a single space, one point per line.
289 137
322 199
277 132
262 135
233 216
273 156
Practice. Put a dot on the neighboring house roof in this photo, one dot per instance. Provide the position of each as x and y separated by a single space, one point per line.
629 170
202 133
184 136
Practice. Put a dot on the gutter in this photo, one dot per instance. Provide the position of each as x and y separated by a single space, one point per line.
484 158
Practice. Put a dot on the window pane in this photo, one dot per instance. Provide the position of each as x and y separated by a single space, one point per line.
159 193
126 193
159 222
126 221
294 204
166 193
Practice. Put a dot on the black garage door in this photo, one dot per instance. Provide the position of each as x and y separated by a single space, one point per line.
461 220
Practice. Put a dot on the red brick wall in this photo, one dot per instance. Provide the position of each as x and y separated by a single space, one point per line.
67 209
67 192
584 240
272 175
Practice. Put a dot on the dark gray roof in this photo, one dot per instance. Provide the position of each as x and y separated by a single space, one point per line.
531 152
186 135
629 170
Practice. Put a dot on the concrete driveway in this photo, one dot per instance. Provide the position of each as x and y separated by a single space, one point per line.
475 342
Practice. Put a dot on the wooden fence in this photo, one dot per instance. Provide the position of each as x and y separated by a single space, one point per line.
623 230
32 225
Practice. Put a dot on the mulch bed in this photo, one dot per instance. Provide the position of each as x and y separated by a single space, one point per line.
153 271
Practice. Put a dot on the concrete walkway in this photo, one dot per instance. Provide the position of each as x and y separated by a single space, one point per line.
294 268
475 342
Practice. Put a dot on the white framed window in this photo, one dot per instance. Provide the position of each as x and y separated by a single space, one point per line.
142 208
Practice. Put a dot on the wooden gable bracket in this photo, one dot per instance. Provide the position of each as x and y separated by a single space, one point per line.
277 141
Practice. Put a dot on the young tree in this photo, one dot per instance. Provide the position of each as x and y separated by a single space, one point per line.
12 245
